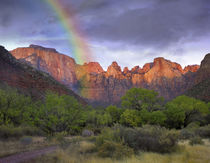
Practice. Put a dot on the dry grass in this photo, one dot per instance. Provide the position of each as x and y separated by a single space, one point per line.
10 147
76 154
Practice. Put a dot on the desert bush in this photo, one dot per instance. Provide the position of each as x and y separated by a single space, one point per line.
186 134
60 136
31 131
193 125
17 132
147 138
189 131
114 150
7 132
203 132
26 140
87 133
86 147
196 140
156 139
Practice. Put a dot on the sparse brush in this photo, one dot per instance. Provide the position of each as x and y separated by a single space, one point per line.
196 140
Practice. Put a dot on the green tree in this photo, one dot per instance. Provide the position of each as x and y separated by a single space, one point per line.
131 118
104 119
60 113
157 118
175 115
208 105
14 107
139 98
180 110
114 112
145 116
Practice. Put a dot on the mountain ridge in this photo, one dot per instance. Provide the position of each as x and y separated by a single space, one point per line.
97 85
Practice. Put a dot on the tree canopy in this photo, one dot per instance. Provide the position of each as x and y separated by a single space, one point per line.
139 98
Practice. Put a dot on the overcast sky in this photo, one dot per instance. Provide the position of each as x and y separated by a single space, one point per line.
131 32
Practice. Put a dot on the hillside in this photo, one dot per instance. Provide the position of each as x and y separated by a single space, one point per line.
27 79
202 79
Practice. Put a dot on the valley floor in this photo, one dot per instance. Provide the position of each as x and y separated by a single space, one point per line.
81 153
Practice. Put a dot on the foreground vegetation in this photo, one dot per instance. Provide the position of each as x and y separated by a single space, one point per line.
64 113
83 152
23 144
143 128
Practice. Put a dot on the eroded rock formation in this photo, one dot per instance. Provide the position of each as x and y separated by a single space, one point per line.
99 86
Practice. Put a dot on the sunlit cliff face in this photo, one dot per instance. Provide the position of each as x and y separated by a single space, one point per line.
96 84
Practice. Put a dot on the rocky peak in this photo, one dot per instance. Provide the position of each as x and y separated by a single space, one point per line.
147 67
43 48
135 69
93 67
163 68
205 64
125 70
6 56
163 63
191 68
204 70
114 70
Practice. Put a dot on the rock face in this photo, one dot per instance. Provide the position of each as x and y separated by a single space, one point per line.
60 66
99 86
204 71
201 87
27 79
191 68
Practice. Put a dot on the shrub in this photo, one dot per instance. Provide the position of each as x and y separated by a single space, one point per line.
186 134
7 132
147 138
114 150
87 133
86 147
196 140
60 136
17 132
26 140
155 139
31 131
203 132
193 125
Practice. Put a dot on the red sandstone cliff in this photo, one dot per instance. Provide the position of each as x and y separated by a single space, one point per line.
60 66
27 79
97 85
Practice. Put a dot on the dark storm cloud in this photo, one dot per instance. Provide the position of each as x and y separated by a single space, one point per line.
157 23
150 23
12 9
27 18
138 27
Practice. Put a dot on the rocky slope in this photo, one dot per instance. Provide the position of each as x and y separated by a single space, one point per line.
201 89
99 86
27 79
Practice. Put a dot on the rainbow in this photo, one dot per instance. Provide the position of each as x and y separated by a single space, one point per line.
77 40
